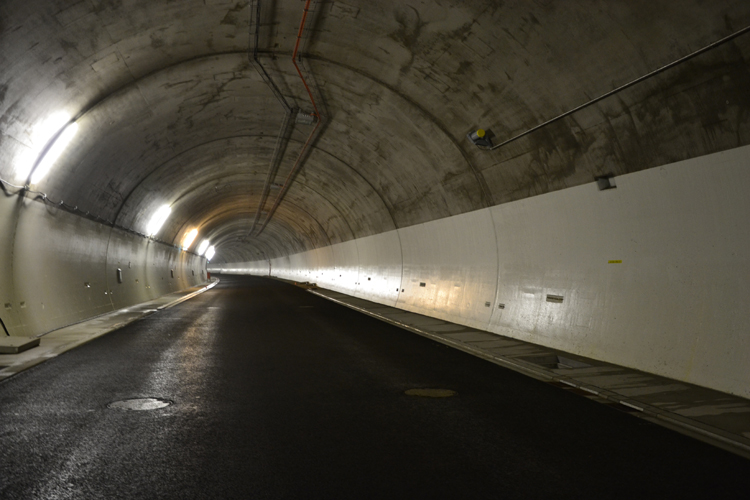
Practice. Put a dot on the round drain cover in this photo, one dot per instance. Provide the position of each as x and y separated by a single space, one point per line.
140 404
431 393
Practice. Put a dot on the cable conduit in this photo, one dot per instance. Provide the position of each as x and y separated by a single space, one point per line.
625 86
298 164
285 129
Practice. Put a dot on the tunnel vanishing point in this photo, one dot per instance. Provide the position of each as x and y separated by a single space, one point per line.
572 174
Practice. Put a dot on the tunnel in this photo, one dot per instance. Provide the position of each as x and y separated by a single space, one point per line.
568 176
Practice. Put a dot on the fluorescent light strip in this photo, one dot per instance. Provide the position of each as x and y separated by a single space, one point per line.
203 247
54 152
189 239
210 252
158 220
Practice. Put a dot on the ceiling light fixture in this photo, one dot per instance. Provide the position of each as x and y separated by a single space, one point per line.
54 152
210 252
203 247
189 239
48 139
158 220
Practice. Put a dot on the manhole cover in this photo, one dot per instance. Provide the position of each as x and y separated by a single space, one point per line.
140 404
431 393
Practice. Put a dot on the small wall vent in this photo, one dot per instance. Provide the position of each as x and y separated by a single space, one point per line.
423 284
557 299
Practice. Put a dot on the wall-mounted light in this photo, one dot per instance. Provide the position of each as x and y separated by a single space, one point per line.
189 239
54 152
158 220
203 247
48 138
210 252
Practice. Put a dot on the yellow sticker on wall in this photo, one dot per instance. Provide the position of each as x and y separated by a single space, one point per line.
614 262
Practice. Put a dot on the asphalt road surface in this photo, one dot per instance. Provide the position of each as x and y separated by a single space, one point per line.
281 394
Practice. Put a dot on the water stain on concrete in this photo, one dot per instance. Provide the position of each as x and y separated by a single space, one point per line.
156 41
234 15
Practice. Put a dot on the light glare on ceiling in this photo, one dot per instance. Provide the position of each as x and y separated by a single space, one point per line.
158 220
189 238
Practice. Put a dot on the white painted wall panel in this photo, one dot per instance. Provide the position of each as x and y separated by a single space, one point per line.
282 267
51 267
456 259
277 267
256 268
675 305
342 272
64 268
380 260
129 253
8 303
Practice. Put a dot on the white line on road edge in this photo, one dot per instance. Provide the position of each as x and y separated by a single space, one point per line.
189 296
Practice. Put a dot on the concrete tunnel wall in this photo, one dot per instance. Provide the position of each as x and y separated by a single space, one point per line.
675 305
59 268
172 107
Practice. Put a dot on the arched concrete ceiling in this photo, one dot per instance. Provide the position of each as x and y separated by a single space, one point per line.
171 109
